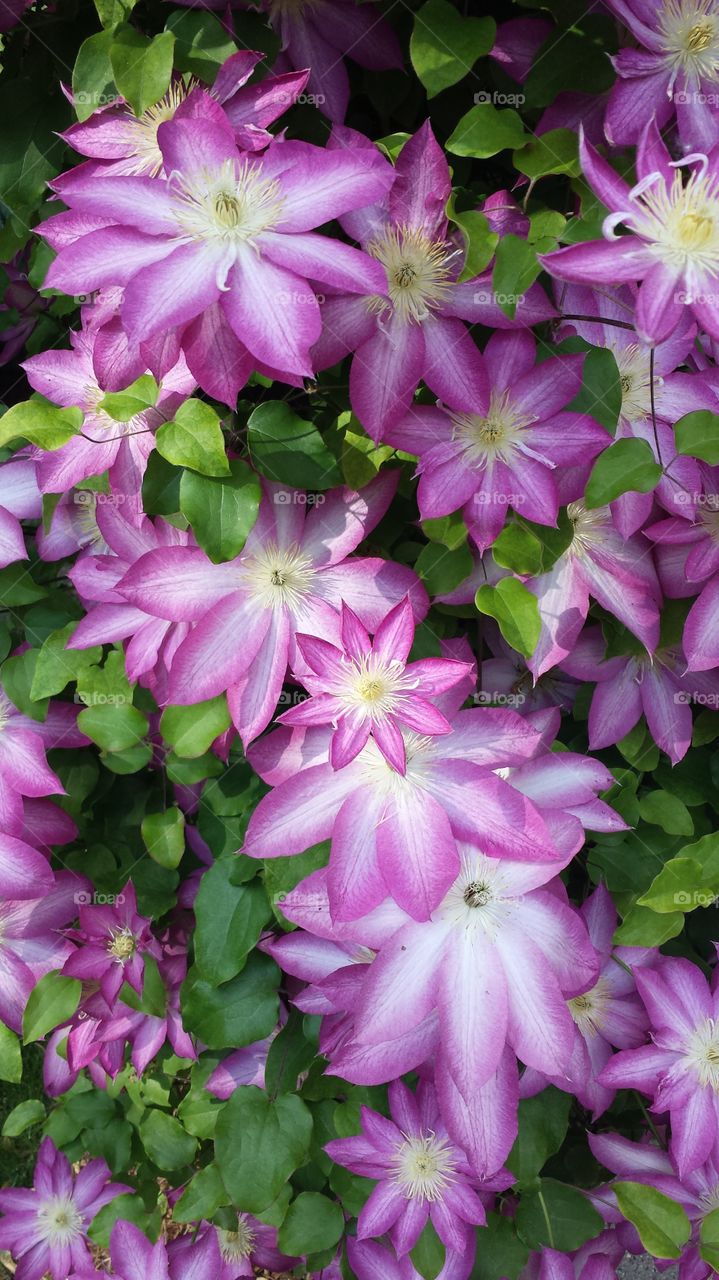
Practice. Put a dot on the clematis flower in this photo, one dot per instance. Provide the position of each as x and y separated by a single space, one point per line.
31 943
116 141
672 245
370 1260
608 1013
656 686
132 1255
242 1250
679 1069
291 576
421 1174
673 73
223 247
45 1227
396 833
617 572
411 327
20 499
514 448
112 943
367 688
688 561
24 769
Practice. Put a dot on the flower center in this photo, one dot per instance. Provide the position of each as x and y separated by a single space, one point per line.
690 35
423 1166
372 686
476 900
635 382
493 438
477 894
709 520
122 945
682 221
279 577
703 1054
233 203
59 1220
418 272
148 157
588 1009
589 527
239 1243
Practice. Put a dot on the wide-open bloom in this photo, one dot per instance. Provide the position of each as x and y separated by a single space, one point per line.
654 685
291 577
45 1227
672 246
395 833
116 141
513 449
617 572
20 499
223 247
238 1251
411 328
112 943
68 378
31 941
421 1174
367 688
675 72
680 1070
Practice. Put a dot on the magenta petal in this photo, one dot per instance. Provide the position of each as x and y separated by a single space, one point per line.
211 659
417 851
173 291
273 312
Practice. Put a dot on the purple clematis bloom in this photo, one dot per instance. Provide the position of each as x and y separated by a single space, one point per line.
24 769
223 247
679 1070
421 1174
45 1228
673 242
31 941
688 561
513 449
372 1261
112 943
133 1256
239 1252
20 499
291 577
116 141
411 328
367 688
672 74
656 686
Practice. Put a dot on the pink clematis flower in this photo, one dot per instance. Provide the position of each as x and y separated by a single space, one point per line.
367 688
688 562
679 1070
112 943
250 1246
514 448
20 499
31 941
672 216
24 770
45 1227
411 328
291 577
132 1255
223 248
371 1261
421 1174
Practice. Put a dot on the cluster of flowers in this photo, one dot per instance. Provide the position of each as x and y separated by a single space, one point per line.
440 940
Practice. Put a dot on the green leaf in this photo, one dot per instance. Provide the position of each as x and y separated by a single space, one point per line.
516 267
601 393
661 1223
289 1055
22 1117
113 726
666 811
161 487
543 1122
697 434
201 43
644 927
709 1237
556 151
163 835
449 531
191 731
259 1143
221 512
57 665
516 610
124 1208
312 1222
557 1216
142 68
626 465
93 85
429 1253
10 1056
289 450
484 131
503 1255
445 46
518 549
112 12
583 66
52 1001
32 113
240 1011
442 570
18 673
203 1196
41 423
230 918
167 1144
679 886
479 239
122 406
194 439
361 458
